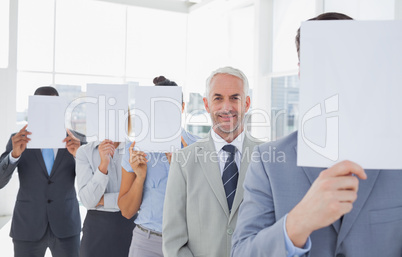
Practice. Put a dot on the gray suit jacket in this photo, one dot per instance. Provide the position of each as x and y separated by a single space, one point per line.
273 188
42 200
196 218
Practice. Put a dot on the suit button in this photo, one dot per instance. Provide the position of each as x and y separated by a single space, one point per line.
340 255
49 182
230 231
49 201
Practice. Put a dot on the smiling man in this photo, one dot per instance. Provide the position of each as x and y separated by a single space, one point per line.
204 189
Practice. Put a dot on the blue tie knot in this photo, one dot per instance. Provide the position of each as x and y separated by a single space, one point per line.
230 149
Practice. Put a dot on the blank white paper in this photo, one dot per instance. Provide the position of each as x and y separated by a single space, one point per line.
107 112
157 118
350 94
46 121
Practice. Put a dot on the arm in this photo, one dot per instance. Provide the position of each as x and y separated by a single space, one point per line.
15 146
174 232
132 183
91 182
257 232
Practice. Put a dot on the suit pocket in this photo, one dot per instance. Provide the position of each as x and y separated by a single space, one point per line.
386 215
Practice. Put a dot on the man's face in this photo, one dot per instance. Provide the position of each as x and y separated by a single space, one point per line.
227 104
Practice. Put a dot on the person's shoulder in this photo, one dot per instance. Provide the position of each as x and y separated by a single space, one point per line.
87 148
285 143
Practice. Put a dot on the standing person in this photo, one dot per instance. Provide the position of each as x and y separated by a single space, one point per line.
144 179
318 212
46 213
204 189
105 232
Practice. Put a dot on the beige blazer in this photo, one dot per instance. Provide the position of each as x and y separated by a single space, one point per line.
196 218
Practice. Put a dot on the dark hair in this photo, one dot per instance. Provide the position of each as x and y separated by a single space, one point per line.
323 16
46 91
162 81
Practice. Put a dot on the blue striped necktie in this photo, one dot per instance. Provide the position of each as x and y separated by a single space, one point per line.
230 175
48 157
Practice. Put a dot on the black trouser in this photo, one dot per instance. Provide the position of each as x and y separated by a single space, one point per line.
106 234
59 247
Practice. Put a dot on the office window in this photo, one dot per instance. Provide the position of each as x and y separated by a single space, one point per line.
156 43
35 35
90 37
288 15
27 82
4 31
285 105
219 34
363 9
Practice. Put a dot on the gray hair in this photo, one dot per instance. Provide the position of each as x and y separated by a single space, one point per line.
227 70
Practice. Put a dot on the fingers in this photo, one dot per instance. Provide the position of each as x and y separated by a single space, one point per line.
70 137
346 196
21 137
345 168
106 148
138 156
24 128
341 183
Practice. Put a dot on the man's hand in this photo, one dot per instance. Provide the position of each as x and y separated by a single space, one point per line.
138 162
330 196
106 150
72 143
20 141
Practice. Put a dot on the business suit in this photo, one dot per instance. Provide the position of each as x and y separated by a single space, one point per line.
196 218
272 189
43 201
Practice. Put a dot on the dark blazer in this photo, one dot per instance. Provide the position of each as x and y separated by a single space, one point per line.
42 199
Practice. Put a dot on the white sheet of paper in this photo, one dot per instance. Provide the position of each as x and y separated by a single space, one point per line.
107 109
46 121
157 120
350 94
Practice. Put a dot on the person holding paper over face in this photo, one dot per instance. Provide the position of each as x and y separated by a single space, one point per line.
46 213
289 210
204 189
105 232
144 178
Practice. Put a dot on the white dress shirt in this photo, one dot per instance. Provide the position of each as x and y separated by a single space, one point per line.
92 183
222 154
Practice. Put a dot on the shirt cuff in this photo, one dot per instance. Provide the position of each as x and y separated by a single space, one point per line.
291 250
12 159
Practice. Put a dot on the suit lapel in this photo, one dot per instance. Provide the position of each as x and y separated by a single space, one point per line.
248 146
211 170
365 187
59 158
39 156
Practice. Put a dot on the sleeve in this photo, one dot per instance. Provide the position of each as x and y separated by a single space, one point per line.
12 159
292 250
91 182
110 200
175 236
6 167
257 232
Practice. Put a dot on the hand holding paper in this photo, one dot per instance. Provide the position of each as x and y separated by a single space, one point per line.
72 143
20 141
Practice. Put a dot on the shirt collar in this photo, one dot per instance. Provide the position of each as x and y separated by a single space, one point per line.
220 142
